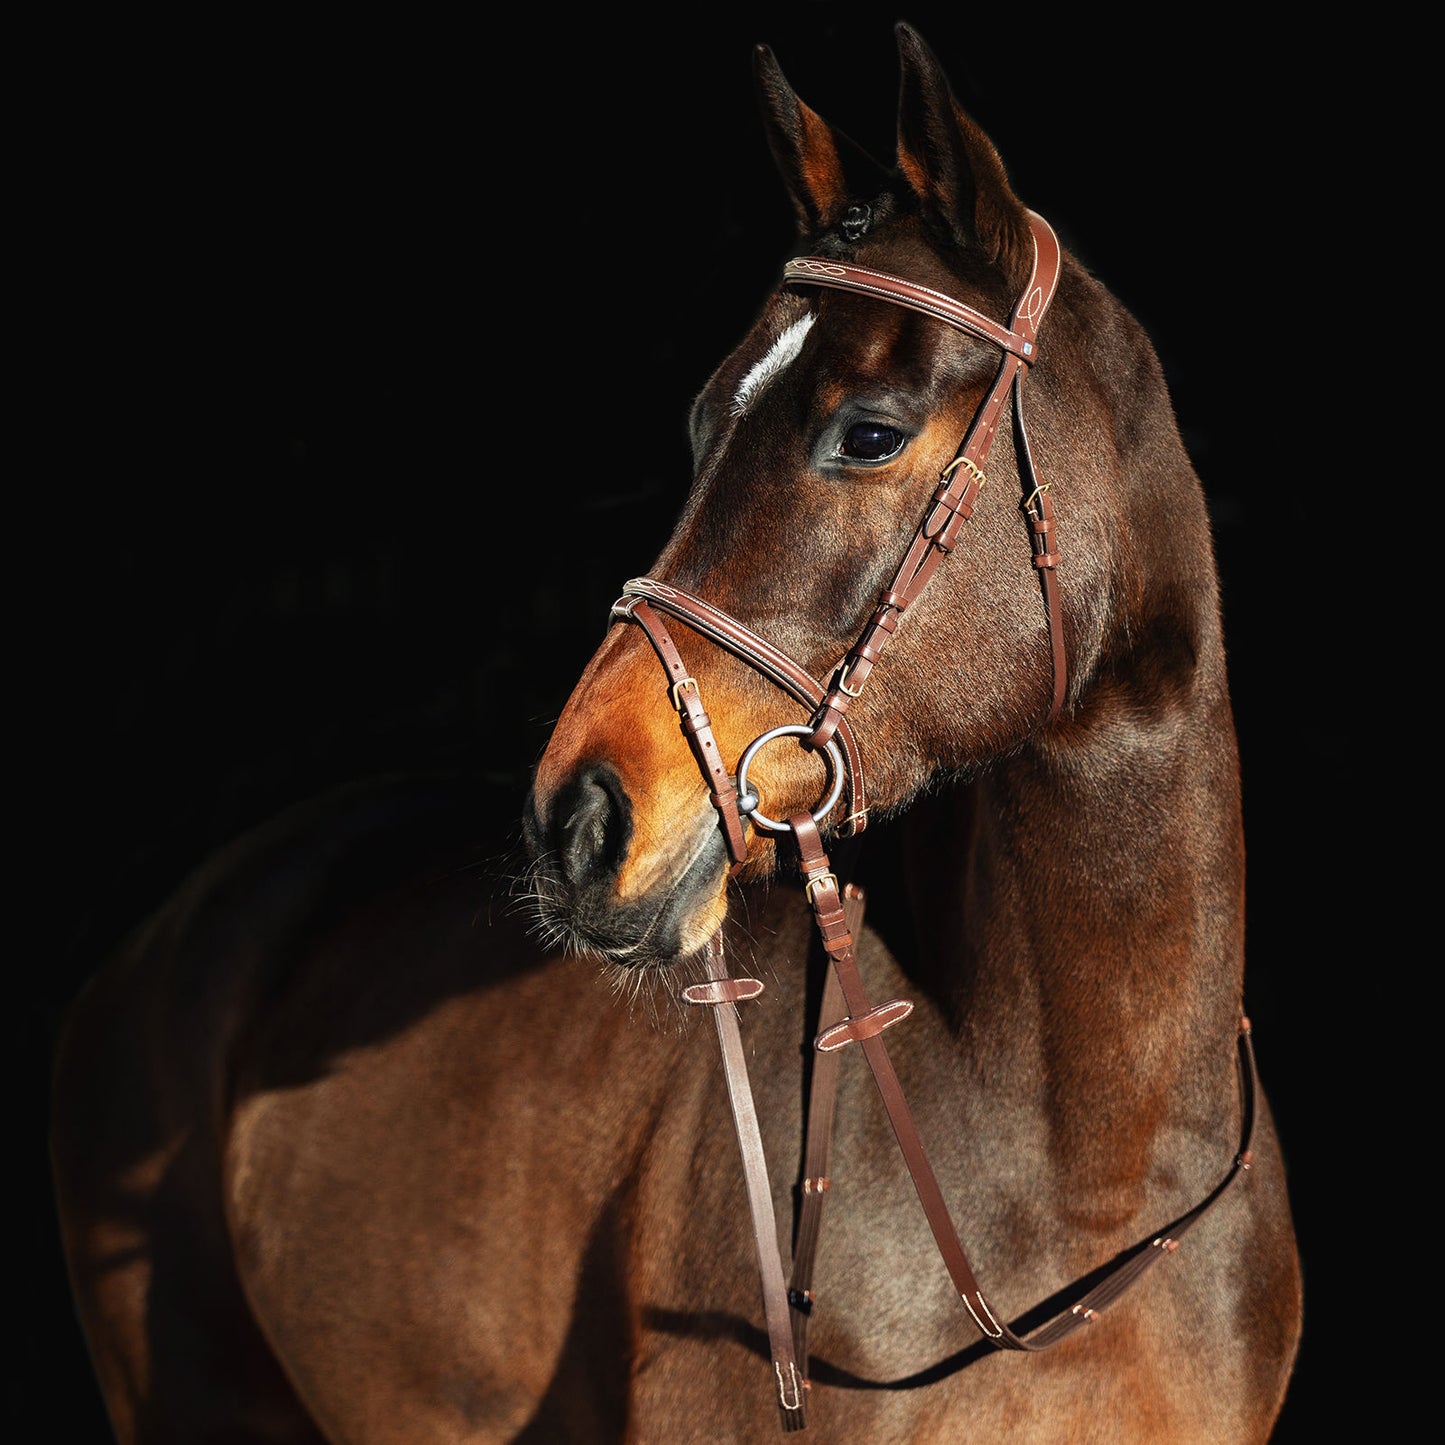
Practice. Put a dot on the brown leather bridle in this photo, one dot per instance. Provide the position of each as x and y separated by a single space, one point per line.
846 1015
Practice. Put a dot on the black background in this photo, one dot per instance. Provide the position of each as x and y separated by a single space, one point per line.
360 383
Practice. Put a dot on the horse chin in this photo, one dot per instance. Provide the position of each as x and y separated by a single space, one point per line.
671 921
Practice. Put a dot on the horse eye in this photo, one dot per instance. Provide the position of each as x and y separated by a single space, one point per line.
871 441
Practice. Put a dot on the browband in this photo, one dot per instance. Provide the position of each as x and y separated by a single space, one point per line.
907 293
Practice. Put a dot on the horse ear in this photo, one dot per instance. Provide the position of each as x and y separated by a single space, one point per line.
952 166
825 172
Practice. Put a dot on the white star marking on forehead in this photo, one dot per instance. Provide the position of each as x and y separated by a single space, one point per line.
780 353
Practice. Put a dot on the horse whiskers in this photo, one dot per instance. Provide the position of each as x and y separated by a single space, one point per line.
559 920
656 990
535 895
652 988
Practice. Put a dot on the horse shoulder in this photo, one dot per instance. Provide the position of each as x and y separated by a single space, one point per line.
337 1018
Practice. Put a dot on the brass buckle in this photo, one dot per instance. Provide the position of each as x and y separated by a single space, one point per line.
1028 503
680 683
817 880
975 471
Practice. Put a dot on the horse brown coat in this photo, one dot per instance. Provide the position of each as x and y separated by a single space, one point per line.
342 1153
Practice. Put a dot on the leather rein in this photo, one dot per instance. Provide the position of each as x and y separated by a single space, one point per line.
846 1015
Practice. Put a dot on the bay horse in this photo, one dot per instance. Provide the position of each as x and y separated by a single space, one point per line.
924 701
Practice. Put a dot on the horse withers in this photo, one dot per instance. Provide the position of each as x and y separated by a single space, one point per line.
915 740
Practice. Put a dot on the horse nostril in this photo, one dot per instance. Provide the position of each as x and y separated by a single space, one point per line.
592 824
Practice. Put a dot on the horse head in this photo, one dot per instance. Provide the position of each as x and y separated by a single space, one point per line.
828 449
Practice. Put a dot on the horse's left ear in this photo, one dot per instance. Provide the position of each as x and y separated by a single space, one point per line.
825 172
952 166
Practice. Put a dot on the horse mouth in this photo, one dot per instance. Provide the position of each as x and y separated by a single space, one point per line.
671 920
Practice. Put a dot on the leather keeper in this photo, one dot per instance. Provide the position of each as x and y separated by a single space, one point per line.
886 618
827 718
869 648
873 1022
1045 559
950 515
859 663
947 538
723 990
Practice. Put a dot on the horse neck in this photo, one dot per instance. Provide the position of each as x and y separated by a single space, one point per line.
1079 912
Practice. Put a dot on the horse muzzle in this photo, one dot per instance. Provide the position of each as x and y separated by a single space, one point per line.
606 884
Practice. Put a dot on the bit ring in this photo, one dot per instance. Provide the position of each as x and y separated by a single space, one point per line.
748 801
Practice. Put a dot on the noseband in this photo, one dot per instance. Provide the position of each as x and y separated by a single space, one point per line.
846 1016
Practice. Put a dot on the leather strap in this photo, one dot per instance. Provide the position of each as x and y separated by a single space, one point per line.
697 728
817 1178
716 625
839 921
963 479
1039 514
789 1378
865 280
832 924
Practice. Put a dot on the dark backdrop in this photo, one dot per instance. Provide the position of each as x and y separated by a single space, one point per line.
363 371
